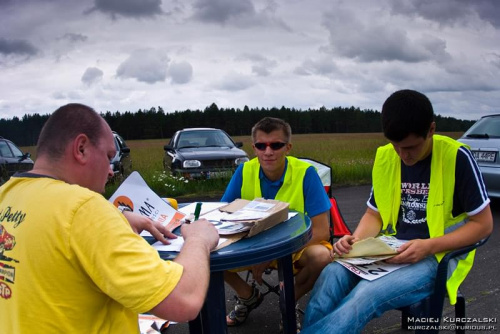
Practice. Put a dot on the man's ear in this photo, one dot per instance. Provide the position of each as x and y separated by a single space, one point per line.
432 129
81 148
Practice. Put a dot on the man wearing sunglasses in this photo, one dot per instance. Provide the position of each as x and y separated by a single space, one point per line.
275 175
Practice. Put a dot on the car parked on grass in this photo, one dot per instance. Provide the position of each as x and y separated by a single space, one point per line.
12 160
121 164
203 153
483 137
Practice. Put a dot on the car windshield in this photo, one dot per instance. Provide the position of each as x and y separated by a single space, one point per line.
204 138
488 127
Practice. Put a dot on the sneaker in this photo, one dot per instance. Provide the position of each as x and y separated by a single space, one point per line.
243 307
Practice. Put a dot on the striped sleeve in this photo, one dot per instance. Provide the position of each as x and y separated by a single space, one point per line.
470 192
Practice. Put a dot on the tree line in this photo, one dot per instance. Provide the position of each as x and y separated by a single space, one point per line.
155 123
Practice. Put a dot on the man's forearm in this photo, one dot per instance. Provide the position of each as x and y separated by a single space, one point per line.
195 258
478 227
369 225
320 228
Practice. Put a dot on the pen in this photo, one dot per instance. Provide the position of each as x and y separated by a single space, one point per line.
197 211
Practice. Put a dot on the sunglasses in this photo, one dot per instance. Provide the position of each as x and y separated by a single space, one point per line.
274 146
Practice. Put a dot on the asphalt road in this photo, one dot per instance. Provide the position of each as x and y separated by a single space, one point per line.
481 288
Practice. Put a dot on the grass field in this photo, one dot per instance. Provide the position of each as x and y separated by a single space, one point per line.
350 155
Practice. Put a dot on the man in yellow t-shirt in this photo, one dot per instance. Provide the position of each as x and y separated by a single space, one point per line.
69 261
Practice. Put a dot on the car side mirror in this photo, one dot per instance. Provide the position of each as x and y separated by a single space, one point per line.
238 144
168 148
25 156
126 149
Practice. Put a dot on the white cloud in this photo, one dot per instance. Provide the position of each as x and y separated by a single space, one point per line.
92 75
234 82
186 54
181 72
324 66
146 65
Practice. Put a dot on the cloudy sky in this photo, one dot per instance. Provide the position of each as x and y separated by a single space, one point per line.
123 55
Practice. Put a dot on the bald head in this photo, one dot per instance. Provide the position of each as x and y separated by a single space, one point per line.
65 124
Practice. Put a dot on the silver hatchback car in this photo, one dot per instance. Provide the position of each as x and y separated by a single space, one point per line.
484 140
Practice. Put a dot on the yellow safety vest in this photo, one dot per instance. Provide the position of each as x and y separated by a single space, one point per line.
292 190
386 179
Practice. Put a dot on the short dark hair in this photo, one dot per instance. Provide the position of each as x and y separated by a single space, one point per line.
270 124
65 124
406 112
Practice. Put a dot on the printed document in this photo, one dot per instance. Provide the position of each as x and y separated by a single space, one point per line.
371 265
135 194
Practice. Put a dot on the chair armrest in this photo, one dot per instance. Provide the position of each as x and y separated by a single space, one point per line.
463 250
437 299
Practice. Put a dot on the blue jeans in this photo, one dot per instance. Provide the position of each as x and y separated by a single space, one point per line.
342 302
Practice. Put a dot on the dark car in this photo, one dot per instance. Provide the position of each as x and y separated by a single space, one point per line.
483 137
203 153
121 164
12 160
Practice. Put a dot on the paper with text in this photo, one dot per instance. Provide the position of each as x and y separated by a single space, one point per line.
373 267
135 194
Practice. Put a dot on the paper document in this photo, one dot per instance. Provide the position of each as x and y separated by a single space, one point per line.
135 194
382 245
258 206
205 207
176 244
370 270
366 259
253 211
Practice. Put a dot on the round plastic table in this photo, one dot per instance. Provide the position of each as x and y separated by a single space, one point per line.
279 242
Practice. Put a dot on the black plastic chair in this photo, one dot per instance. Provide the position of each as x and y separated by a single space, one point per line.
432 306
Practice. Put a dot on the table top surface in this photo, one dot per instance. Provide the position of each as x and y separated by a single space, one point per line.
278 241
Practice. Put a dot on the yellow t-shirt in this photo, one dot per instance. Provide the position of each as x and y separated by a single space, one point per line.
70 263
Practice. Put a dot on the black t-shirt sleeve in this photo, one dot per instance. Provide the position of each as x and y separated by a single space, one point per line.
371 201
470 192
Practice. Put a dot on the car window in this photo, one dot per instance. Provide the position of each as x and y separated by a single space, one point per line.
17 152
223 140
117 145
204 139
486 126
5 150
121 141
192 138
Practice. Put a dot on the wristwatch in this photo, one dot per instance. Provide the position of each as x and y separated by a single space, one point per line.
124 208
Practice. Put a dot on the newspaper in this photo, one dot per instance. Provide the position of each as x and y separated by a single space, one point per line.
373 267
135 194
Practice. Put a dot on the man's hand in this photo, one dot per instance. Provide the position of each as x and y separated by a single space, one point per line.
412 252
343 245
140 223
258 270
202 230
